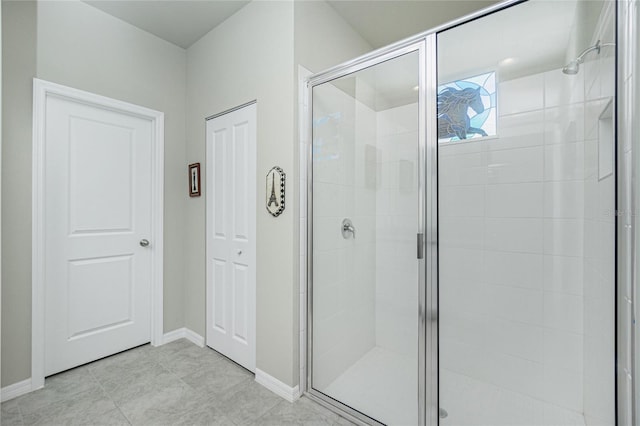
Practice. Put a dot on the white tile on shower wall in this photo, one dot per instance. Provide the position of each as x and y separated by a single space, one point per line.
451 149
606 199
388 175
560 88
513 269
461 358
465 328
564 161
563 349
515 165
563 312
515 373
564 199
463 169
365 227
593 110
564 237
515 235
462 232
463 297
563 387
515 200
461 201
591 198
518 131
332 200
563 274
599 362
327 234
328 306
515 338
459 264
520 95
364 202
514 304
365 123
397 203
564 124
592 79
608 76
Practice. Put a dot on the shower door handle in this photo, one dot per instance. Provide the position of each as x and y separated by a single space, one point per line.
420 245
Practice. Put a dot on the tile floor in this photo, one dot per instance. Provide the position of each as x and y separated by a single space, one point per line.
174 384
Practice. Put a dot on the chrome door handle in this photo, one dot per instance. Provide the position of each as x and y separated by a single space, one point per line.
144 242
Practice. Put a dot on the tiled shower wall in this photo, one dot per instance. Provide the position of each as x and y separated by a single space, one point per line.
396 270
344 274
599 229
511 232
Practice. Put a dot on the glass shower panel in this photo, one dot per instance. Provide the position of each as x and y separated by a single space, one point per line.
365 220
526 222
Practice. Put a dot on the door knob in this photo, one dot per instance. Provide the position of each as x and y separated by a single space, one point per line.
239 252
144 242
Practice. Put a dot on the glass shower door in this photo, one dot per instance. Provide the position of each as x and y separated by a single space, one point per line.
365 221
525 224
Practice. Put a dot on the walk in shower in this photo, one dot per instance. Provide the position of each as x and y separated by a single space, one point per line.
462 223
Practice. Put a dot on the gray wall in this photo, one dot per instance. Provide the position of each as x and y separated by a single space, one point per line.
19 67
74 44
322 38
250 56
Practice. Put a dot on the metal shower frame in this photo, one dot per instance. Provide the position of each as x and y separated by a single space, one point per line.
426 45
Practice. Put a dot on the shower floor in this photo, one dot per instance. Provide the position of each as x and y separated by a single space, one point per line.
381 384
366 387
471 402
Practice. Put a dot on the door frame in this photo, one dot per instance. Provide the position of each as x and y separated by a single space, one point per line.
41 91
253 218
427 372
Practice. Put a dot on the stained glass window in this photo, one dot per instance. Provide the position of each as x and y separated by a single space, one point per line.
467 108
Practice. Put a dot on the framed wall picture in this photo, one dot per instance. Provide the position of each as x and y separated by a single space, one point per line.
194 180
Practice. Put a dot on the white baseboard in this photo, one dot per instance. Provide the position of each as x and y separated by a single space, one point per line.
183 333
277 387
15 390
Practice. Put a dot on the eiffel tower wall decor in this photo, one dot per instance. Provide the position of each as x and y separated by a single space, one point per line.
275 191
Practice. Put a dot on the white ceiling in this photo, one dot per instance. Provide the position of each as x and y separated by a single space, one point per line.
535 35
382 22
181 22
379 22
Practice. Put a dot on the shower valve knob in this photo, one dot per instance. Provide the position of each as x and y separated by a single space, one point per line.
348 230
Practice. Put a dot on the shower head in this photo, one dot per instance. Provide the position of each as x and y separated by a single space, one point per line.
573 67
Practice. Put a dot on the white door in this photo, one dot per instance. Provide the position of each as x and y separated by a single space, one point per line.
97 201
231 235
